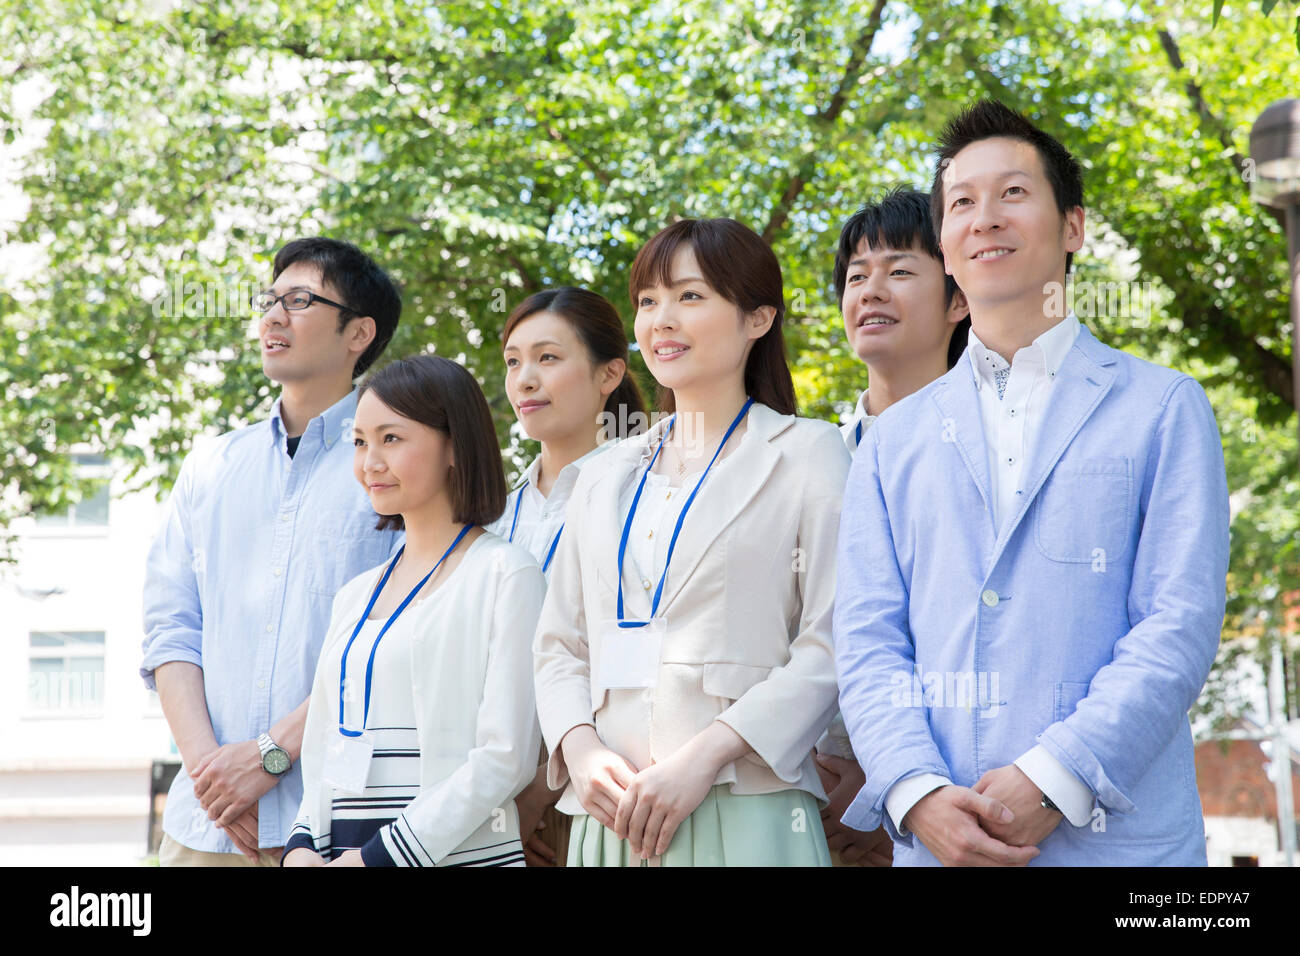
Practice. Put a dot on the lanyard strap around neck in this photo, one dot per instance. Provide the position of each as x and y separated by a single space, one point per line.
550 553
370 664
681 518
519 499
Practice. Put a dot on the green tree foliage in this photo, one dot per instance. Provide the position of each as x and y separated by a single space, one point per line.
483 150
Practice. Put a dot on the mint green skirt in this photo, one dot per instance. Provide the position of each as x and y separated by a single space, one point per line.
766 829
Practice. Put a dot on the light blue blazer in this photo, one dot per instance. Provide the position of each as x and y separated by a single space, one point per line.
1088 625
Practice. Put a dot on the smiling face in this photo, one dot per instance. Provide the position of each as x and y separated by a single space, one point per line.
893 305
553 386
303 344
689 334
1003 237
402 464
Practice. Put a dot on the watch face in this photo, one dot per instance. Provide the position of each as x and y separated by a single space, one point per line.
276 761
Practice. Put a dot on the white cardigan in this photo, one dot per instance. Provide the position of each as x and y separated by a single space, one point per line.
472 684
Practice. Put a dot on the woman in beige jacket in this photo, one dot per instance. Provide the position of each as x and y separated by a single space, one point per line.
683 658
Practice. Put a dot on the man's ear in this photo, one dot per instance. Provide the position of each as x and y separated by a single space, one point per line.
360 333
1072 229
759 321
958 308
611 376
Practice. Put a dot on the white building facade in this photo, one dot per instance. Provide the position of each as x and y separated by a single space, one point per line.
78 730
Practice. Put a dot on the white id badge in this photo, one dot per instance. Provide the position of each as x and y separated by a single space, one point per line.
347 762
629 656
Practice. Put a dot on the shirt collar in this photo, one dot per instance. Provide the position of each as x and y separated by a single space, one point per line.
1051 348
335 421
860 413
564 482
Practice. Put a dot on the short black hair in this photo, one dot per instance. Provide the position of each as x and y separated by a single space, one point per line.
988 119
900 219
440 393
365 288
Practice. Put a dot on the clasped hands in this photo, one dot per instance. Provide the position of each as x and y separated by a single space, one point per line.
842 779
998 822
228 782
643 807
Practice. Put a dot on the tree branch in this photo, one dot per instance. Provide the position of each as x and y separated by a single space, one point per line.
531 283
1209 121
1275 371
825 121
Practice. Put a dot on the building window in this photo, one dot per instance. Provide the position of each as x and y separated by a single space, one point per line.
66 672
91 511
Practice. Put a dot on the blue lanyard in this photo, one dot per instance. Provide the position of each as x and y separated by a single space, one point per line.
519 499
515 521
370 665
858 440
551 552
681 518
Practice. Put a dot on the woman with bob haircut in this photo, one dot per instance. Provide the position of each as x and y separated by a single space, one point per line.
683 659
421 726
566 354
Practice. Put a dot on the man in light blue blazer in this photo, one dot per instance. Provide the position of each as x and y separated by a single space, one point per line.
1032 556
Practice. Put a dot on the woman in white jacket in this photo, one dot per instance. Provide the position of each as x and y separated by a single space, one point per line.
683 659
421 727
565 353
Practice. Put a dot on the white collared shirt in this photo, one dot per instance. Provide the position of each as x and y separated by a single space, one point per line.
540 518
857 426
1011 425
658 510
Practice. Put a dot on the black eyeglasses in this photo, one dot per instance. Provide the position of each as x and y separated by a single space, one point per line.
293 300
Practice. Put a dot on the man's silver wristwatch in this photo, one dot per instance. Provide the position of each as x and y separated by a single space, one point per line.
275 759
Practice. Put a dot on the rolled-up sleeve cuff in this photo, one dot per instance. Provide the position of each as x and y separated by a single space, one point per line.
1063 744
905 794
1070 794
158 656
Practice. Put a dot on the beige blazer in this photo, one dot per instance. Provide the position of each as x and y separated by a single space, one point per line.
748 605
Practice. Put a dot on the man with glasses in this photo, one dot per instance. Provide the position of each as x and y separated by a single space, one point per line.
264 525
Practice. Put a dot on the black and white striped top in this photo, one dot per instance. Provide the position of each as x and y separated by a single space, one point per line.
372 822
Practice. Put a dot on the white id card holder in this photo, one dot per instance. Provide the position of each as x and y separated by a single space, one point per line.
347 762
629 656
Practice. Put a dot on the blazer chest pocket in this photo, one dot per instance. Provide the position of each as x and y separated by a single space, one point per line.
1081 515
731 681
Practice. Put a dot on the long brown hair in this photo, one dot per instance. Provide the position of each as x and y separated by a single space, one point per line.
744 270
598 326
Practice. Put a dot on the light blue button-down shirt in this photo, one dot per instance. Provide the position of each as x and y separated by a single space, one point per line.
240 581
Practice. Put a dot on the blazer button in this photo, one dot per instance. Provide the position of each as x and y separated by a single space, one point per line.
645 583
990 597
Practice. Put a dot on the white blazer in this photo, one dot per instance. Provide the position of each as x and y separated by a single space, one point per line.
471 683
748 602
